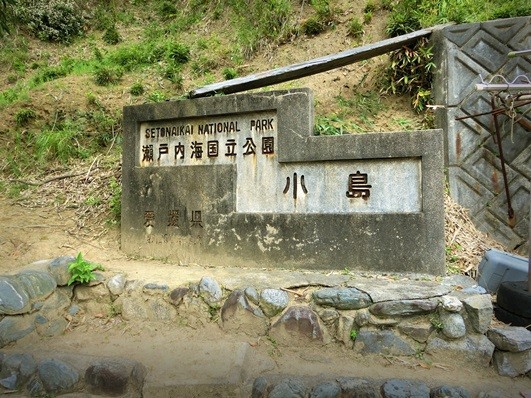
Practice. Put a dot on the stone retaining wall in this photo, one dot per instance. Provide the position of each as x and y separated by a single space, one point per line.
391 315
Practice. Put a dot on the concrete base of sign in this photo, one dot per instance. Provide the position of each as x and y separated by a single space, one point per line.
241 180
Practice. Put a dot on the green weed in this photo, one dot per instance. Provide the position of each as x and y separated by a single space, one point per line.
49 73
353 334
82 271
92 100
229 73
174 75
326 125
14 53
60 144
203 65
92 201
355 28
435 321
157 96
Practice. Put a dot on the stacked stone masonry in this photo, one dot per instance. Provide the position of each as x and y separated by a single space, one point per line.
392 315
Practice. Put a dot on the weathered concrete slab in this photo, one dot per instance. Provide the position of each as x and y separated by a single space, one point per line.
241 181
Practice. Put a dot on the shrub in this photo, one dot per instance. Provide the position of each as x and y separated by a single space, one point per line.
111 35
106 75
313 26
24 116
167 10
137 89
54 20
178 53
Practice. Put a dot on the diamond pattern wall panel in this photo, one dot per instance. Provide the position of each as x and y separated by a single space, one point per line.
464 137
486 51
475 52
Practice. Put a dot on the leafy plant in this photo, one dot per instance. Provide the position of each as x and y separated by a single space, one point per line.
353 334
5 15
436 321
82 271
411 72
174 75
49 73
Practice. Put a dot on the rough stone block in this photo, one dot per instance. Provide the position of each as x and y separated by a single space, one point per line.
58 267
404 307
327 389
273 301
419 330
299 325
342 298
115 377
238 315
453 325
116 284
386 342
476 349
396 388
13 328
58 377
480 312
291 387
510 338
356 387
512 364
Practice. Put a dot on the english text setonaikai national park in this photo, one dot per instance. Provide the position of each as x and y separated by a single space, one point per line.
265 198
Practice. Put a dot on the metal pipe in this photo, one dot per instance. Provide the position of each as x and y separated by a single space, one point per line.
513 54
503 87
510 211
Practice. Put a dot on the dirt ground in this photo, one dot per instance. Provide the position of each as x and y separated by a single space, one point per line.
31 234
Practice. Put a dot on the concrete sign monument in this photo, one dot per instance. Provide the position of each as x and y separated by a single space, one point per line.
240 180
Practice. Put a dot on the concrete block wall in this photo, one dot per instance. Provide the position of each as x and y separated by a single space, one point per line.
466 54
